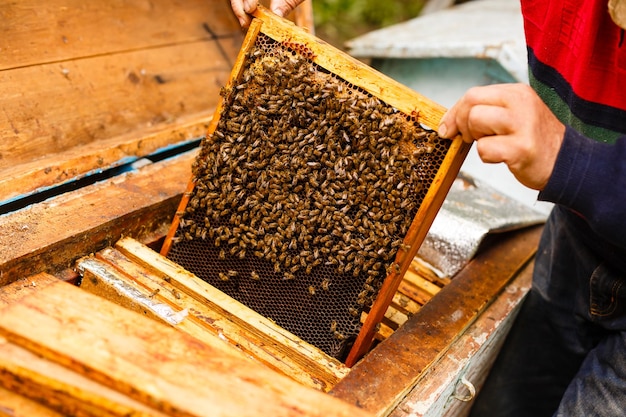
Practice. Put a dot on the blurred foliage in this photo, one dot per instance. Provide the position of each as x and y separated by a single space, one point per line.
337 21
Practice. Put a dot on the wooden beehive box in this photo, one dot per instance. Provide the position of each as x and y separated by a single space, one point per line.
103 108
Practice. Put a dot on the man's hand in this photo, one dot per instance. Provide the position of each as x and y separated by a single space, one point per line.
243 8
510 124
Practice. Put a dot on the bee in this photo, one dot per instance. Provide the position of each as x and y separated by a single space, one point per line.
254 276
153 293
325 284
288 276
311 289
333 326
176 294
338 335
223 276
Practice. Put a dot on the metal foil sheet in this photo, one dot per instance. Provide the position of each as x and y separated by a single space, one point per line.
470 212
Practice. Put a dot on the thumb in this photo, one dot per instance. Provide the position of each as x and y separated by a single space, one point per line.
447 126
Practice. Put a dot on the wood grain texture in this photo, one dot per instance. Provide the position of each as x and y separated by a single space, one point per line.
152 363
15 405
102 98
202 320
61 389
34 33
285 343
79 161
89 86
383 377
440 393
51 235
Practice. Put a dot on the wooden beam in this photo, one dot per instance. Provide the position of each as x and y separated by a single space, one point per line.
61 389
284 342
119 279
383 377
442 391
154 364
15 405
34 33
50 236
110 103
55 169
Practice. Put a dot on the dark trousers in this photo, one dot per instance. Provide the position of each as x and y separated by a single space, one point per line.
566 352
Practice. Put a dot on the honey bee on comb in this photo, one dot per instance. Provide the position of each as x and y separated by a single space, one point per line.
307 179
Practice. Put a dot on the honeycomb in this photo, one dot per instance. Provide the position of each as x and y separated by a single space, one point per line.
303 194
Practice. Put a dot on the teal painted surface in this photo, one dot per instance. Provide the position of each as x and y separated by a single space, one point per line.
443 80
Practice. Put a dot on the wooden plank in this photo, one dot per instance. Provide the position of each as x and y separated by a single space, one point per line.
54 169
382 379
440 392
24 287
14 405
406 304
103 280
394 317
50 236
61 389
422 283
427 271
103 97
243 316
416 294
34 32
202 320
155 364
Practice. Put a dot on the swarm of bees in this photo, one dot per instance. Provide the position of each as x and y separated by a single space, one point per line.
311 175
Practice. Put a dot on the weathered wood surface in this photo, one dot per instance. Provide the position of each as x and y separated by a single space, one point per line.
442 393
114 276
15 405
51 235
60 389
58 30
86 85
48 383
384 377
306 356
151 363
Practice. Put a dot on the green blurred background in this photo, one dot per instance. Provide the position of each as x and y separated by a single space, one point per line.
337 21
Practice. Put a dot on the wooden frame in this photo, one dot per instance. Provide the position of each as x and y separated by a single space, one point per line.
389 91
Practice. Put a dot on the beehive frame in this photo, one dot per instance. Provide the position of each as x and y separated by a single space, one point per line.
406 101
